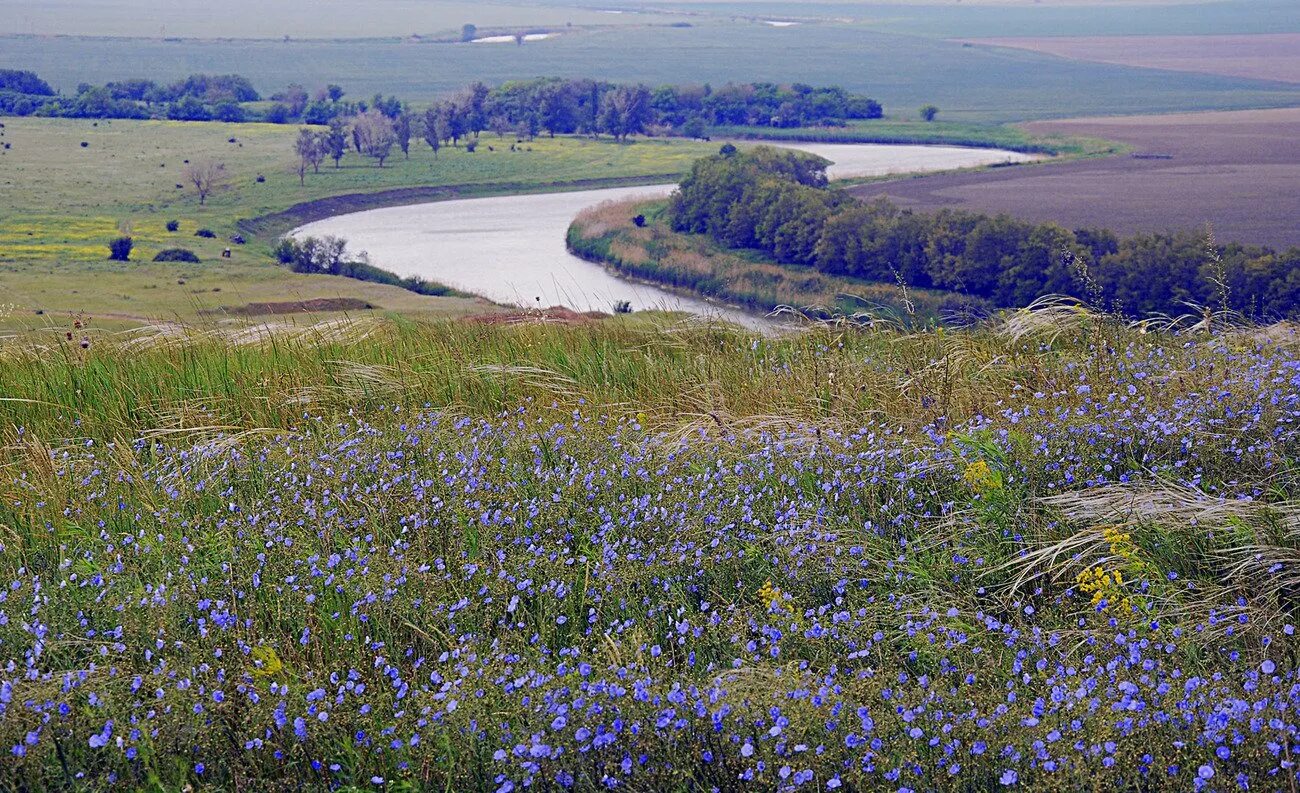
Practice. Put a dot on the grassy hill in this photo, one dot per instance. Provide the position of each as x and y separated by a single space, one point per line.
1052 551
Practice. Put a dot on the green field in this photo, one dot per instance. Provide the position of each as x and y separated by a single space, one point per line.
61 203
901 71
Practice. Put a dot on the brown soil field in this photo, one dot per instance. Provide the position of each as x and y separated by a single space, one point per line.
1266 56
315 305
1239 172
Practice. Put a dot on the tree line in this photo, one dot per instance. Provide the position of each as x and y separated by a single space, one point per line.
777 201
550 105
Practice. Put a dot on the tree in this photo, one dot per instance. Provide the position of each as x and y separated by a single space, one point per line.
188 109
435 129
206 176
453 118
402 129
375 135
625 111
474 103
313 254
557 108
310 153
334 141
928 112
334 92
468 32
228 111
694 128
119 250
276 114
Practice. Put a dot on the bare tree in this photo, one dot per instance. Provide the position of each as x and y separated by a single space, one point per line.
310 153
374 135
206 176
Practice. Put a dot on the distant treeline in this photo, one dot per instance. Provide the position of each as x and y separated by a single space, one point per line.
777 201
552 105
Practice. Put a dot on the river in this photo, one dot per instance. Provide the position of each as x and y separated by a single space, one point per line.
510 249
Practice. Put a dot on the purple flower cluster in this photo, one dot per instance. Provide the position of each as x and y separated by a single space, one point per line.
574 602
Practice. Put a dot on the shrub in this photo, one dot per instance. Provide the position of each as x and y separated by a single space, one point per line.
622 306
206 234
173 225
639 221
177 255
119 250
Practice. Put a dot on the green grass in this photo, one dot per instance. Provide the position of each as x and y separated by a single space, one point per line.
900 131
61 203
458 541
901 71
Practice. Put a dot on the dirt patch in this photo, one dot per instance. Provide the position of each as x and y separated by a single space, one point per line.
1236 171
312 306
1267 56
555 315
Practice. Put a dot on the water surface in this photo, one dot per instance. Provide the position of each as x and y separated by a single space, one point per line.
511 249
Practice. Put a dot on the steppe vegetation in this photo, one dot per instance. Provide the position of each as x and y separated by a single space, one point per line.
1051 551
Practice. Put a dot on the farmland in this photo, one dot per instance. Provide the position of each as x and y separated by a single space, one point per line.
1270 56
1234 171
901 71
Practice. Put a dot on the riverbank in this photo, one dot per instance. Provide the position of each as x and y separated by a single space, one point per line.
611 236
65 201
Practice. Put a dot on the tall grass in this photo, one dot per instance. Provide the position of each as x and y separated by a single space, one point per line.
1050 550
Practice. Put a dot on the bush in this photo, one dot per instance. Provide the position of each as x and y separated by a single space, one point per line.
206 234
173 225
119 250
177 255
622 306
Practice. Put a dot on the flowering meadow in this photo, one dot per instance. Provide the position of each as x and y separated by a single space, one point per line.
1049 552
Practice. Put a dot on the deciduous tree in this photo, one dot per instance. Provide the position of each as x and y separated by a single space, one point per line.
206 176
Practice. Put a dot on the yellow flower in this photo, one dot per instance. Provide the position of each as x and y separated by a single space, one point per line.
981 477
769 595
270 664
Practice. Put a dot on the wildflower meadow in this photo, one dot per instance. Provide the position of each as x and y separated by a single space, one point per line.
1048 552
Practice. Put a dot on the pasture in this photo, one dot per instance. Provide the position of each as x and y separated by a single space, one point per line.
1236 172
60 204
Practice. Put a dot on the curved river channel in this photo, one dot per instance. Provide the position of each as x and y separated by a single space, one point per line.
510 249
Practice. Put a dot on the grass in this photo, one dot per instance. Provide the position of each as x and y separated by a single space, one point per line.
406 555
968 84
928 133
61 203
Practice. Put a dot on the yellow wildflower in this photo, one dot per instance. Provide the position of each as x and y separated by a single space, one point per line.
981 477
269 662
